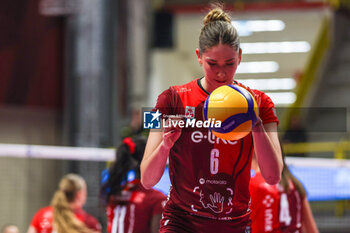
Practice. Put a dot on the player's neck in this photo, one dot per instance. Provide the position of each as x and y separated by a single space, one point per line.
204 85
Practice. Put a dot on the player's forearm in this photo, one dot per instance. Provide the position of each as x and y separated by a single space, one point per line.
308 222
268 155
152 166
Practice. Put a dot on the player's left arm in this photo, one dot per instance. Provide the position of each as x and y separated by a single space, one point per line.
308 222
268 151
155 223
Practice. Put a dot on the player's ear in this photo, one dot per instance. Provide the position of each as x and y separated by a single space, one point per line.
199 56
239 56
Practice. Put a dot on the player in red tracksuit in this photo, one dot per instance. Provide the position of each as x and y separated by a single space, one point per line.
65 213
130 207
280 208
209 176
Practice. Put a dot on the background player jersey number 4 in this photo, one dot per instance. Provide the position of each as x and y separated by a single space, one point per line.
284 212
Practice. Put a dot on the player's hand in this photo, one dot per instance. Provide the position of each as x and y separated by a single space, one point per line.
256 97
258 102
172 133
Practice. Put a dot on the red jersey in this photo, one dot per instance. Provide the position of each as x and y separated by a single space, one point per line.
273 209
132 212
209 176
43 219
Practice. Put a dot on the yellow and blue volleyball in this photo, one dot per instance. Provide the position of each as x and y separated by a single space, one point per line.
235 108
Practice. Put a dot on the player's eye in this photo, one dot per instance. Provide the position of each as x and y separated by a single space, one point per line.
230 64
211 63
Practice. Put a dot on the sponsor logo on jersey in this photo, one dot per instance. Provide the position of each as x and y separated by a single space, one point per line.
184 89
198 137
268 215
268 201
203 181
190 112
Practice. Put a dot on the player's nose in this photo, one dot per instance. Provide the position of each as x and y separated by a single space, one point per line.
221 74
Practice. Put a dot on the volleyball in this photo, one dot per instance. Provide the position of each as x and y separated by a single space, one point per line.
235 107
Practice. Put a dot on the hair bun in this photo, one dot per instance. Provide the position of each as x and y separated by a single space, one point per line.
216 14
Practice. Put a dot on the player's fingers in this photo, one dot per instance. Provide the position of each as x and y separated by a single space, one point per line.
171 137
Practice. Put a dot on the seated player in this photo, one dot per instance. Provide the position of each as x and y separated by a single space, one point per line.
130 207
279 208
65 214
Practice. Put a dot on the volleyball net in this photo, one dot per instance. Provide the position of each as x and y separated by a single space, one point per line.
324 178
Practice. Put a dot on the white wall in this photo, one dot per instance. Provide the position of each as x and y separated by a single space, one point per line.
179 65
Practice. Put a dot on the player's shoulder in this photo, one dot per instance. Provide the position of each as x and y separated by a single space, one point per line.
45 210
92 222
43 213
173 93
261 94
256 179
265 100
85 217
187 87
258 182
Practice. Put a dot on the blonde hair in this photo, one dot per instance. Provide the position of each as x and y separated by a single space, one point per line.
217 29
216 14
286 177
64 219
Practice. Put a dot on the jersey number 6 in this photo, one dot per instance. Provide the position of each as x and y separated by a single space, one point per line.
214 161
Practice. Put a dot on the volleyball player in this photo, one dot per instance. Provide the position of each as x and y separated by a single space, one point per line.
130 207
210 176
279 208
65 213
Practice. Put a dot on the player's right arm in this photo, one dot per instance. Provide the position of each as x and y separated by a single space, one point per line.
156 155
31 229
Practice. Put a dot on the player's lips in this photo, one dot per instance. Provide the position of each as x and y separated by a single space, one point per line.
221 81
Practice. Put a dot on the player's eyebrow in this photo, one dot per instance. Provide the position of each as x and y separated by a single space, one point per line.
213 60
210 59
231 59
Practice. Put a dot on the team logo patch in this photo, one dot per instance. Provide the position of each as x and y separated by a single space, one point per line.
151 120
189 112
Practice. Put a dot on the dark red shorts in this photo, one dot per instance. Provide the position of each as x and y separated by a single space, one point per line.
186 223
